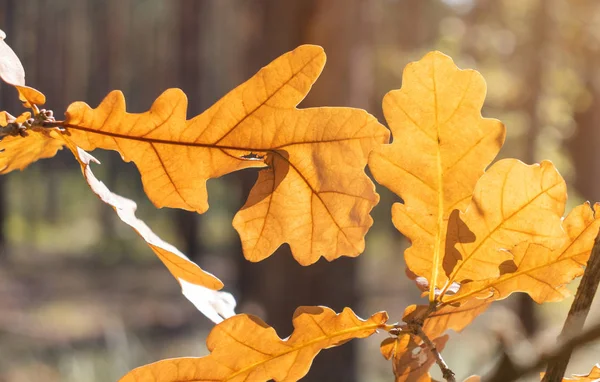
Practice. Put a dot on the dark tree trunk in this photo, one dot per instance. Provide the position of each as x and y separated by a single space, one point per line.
533 76
189 66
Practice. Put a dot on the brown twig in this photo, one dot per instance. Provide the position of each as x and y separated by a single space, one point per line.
578 312
446 372
571 336
513 372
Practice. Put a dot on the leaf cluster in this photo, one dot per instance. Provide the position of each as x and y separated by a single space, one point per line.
478 231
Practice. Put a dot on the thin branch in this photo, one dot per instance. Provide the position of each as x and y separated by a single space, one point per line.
446 372
571 336
512 372
578 312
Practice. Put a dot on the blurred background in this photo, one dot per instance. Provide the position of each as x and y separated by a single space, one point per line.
82 298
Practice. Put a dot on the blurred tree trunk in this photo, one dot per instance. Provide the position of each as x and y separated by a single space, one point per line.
189 68
278 284
533 77
48 75
583 146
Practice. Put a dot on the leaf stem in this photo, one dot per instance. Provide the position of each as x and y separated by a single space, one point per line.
578 312
53 124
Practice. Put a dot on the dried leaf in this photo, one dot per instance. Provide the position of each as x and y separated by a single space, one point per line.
244 348
315 194
512 203
593 376
199 286
411 361
17 152
30 96
540 271
440 149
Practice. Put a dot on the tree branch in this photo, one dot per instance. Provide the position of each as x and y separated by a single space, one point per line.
446 372
571 336
513 372
578 312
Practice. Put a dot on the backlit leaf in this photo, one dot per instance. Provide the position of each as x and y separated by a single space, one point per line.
315 194
18 152
441 147
199 286
244 348
592 376
512 203
540 271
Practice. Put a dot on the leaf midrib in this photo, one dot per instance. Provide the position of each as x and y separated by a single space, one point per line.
211 145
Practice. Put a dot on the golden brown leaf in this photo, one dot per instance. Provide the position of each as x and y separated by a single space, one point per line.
315 194
411 361
592 376
244 348
17 152
512 203
540 271
197 285
440 149
30 96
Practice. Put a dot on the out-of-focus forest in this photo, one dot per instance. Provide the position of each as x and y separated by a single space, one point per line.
82 298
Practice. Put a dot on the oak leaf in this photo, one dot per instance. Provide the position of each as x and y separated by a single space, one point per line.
512 203
441 147
541 271
592 376
411 361
17 151
314 195
537 270
244 348
199 286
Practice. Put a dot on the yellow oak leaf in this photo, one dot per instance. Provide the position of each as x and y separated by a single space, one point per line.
17 152
244 348
199 286
411 361
441 147
30 96
315 194
6 118
540 271
512 203
592 376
